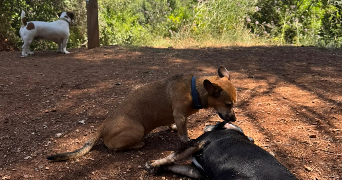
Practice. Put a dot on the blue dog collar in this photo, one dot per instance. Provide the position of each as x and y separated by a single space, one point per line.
194 95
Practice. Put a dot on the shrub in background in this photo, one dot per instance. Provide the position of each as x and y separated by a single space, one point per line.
221 19
139 22
331 29
78 29
120 24
300 22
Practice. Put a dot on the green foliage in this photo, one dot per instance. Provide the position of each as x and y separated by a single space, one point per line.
137 22
300 22
120 24
143 22
78 29
331 31
221 18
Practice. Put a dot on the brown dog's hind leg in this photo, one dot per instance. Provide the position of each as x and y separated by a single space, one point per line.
134 146
128 137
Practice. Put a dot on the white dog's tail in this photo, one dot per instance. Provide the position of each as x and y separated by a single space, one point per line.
23 18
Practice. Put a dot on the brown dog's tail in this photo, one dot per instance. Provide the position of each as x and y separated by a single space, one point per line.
79 152
23 18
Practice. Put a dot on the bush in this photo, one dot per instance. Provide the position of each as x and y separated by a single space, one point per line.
122 23
331 31
300 22
144 22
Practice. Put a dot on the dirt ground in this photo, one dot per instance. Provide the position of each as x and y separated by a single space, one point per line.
289 101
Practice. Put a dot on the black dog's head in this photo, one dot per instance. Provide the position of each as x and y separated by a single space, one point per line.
224 126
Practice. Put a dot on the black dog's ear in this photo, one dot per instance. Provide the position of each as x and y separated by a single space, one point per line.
212 88
71 15
223 72
59 14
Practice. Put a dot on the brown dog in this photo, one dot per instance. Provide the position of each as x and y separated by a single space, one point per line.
158 104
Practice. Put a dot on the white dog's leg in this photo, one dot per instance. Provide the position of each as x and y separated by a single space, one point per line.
23 50
64 45
26 48
28 51
59 50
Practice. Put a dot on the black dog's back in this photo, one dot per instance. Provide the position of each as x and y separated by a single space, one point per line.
229 154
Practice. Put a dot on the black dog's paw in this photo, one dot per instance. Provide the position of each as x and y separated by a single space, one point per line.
151 169
148 166
155 170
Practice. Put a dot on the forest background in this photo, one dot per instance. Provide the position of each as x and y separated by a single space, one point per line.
186 23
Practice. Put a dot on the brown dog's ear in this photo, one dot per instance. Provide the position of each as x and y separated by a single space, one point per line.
212 88
59 14
223 72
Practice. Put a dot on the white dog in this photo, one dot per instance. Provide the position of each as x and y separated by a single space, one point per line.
56 31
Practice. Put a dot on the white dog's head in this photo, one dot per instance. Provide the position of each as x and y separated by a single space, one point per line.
68 16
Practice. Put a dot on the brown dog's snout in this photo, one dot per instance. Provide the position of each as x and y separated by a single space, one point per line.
230 117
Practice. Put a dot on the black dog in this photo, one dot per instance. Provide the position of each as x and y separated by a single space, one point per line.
224 152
